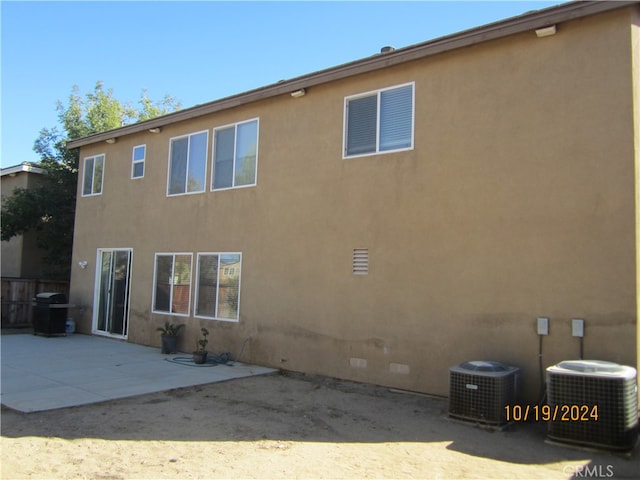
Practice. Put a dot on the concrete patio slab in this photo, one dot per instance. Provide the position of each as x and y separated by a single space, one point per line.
46 373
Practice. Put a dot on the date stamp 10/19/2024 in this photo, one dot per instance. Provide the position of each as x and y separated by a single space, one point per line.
553 413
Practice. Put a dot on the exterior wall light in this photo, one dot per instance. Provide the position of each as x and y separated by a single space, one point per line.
83 264
299 93
546 31
155 130
111 140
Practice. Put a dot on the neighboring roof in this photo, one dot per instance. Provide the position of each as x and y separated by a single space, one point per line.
23 167
529 21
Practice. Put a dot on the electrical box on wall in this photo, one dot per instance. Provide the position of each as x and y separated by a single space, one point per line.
543 326
577 327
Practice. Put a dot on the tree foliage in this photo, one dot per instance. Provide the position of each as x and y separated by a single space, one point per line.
49 210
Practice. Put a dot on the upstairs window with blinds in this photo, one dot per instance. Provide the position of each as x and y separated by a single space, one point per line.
379 122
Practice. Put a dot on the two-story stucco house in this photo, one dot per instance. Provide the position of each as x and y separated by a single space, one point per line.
386 219
21 257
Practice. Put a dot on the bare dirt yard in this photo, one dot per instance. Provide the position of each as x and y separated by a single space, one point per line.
285 426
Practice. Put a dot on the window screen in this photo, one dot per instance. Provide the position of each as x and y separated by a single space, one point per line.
380 121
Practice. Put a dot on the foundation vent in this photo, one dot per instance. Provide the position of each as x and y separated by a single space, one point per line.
360 261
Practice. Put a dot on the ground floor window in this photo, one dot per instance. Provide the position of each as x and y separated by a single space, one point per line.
172 283
218 285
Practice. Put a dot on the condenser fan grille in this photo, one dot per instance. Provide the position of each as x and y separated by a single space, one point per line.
479 391
607 399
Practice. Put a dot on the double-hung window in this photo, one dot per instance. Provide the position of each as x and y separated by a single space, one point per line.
188 164
93 174
172 283
235 155
379 122
137 161
218 286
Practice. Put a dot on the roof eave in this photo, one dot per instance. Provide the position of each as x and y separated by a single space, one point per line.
522 23
23 167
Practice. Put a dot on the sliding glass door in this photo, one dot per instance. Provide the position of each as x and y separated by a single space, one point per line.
111 305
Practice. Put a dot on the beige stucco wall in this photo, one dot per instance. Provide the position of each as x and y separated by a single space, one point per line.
635 45
516 202
20 256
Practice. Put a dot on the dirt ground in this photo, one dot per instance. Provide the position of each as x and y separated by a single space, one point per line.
285 426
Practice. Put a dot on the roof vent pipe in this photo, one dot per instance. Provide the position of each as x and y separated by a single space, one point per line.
387 49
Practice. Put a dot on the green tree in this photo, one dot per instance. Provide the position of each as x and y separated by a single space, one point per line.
149 109
50 209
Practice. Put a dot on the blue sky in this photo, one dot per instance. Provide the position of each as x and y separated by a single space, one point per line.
197 51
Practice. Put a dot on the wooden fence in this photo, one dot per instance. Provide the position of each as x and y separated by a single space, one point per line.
17 295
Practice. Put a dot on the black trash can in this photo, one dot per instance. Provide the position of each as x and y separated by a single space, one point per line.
50 314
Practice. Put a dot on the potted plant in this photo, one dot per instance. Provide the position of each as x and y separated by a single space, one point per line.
169 335
200 355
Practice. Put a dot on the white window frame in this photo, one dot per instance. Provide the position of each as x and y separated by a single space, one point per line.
235 140
197 287
135 162
378 94
155 279
206 157
93 172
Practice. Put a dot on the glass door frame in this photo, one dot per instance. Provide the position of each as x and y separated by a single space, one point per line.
98 287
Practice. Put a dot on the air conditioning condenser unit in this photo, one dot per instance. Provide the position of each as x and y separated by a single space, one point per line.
480 390
593 403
